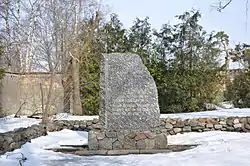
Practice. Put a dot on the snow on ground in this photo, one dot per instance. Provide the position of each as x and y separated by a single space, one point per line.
10 123
211 114
216 149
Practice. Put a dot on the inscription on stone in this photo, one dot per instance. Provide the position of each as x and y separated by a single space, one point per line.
128 94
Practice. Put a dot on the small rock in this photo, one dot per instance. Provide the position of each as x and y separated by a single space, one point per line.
236 121
218 127
243 120
193 123
239 129
177 130
247 126
162 122
13 146
160 141
172 121
92 141
197 128
106 144
131 135
169 126
141 144
230 128
150 143
95 121
164 130
179 124
8 138
187 129
149 134
110 134
202 120
223 122
97 126
117 145
129 143
120 136
230 122
186 122
209 125
89 123
171 132
76 127
1 140
100 135
158 131
6 146
83 126
237 125
206 129
140 136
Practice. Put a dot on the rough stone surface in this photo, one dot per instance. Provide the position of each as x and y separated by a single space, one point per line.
117 145
128 94
106 144
169 126
209 125
141 144
129 143
92 141
187 129
238 125
100 135
111 134
140 136
177 130
247 126
161 141
149 143
217 127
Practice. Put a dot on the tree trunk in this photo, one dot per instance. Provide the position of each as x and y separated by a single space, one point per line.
67 91
77 104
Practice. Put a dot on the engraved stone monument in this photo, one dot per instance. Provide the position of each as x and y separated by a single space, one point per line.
129 112
128 94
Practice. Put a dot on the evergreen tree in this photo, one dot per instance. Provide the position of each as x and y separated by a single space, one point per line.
190 72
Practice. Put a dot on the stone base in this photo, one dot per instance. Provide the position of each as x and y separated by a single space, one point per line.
85 152
126 140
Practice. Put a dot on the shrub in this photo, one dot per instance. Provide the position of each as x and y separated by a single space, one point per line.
238 91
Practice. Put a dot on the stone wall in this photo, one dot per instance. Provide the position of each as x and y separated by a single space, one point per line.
19 88
13 140
169 126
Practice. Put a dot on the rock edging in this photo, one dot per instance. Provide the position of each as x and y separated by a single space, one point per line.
12 140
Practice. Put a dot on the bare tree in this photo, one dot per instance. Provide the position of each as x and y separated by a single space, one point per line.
41 34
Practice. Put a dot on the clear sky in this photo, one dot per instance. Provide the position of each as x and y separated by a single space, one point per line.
232 20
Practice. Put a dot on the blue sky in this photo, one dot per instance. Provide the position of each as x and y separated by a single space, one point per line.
232 20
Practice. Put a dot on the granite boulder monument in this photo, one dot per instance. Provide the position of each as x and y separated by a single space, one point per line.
129 112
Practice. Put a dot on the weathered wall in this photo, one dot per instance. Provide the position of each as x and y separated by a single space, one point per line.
10 94
25 88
